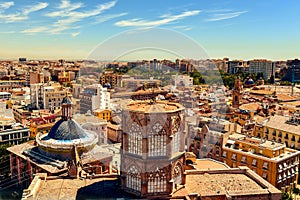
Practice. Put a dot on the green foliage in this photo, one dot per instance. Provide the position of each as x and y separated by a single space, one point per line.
285 83
296 191
286 196
4 153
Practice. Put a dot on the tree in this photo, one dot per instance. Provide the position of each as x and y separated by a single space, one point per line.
296 191
286 196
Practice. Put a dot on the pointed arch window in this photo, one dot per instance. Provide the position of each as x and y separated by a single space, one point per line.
135 139
157 181
133 180
177 175
157 141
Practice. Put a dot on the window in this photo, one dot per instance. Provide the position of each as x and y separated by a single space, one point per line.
243 159
135 139
280 167
133 180
284 176
265 175
233 157
284 165
254 162
265 166
157 182
157 141
224 155
175 142
292 171
279 178
177 175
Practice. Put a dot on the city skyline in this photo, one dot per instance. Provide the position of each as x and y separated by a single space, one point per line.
72 29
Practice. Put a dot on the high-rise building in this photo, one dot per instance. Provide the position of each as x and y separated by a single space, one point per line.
262 66
153 148
293 71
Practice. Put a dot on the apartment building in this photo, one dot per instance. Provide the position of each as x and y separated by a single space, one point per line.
94 97
282 129
182 80
271 160
262 66
109 77
47 96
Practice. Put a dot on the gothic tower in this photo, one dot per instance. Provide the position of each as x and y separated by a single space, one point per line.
152 148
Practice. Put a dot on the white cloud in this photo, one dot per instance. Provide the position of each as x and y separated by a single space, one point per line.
19 16
223 16
75 34
166 19
8 18
36 30
104 18
68 16
68 6
6 5
184 28
35 8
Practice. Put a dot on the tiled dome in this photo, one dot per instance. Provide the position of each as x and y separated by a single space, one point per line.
67 130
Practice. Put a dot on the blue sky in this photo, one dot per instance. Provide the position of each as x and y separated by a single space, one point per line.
238 29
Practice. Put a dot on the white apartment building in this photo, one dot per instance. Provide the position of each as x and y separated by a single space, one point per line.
47 96
262 66
182 80
94 97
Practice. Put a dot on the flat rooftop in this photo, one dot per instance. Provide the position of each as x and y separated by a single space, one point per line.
209 164
256 141
97 188
279 122
225 182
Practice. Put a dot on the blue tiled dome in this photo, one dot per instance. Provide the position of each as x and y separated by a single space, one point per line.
249 81
67 130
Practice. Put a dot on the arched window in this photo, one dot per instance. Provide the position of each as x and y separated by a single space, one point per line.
133 180
135 139
175 142
157 141
177 175
157 181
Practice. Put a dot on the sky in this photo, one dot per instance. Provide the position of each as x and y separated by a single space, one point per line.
72 29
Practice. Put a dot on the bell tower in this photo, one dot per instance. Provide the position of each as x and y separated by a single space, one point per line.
67 108
237 93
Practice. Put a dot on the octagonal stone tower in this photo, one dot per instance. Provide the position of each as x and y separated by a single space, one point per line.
152 148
